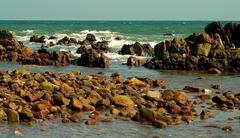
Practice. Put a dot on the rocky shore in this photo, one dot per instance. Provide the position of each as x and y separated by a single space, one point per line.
13 50
216 50
35 97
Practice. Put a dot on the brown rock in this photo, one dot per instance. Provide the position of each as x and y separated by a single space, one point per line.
159 124
66 89
12 115
123 100
214 71
76 117
205 114
76 104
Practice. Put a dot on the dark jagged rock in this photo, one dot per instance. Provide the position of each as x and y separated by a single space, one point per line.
133 61
67 41
37 39
137 49
101 46
90 58
91 38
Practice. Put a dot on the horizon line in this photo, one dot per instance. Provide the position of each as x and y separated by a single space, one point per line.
173 20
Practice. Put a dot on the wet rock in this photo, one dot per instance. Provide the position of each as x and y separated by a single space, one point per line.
159 124
137 49
192 89
76 72
91 122
219 99
101 46
216 86
67 90
37 39
13 116
156 95
205 114
214 71
67 41
60 100
181 97
18 133
91 38
133 61
161 49
123 101
148 114
48 86
76 104
42 105
228 128
90 58
136 82
76 117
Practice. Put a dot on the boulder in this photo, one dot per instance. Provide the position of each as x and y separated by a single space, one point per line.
67 41
133 61
37 39
161 49
91 38
101 46
137 49
90 58
7 39
60 58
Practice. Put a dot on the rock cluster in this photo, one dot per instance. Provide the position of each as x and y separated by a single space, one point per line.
15 51
12 50
137 49
228 100
33 97
217 48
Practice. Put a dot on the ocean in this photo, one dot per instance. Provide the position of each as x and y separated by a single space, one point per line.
151 32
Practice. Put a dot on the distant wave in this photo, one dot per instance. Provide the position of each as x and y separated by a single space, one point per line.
28 31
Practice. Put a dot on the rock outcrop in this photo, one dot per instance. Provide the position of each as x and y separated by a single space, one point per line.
217 47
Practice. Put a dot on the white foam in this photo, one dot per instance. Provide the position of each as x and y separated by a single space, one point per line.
28 31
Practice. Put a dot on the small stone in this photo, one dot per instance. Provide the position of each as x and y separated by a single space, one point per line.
216 86
214 71
181 97
76 117
228 128
123 100
76 104
205 114
153 95
159 124
136 82
13 116
18 133
91 122
76 72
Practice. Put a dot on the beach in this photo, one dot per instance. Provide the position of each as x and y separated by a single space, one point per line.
68 37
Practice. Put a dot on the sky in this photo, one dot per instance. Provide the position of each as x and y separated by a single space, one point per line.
120 10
